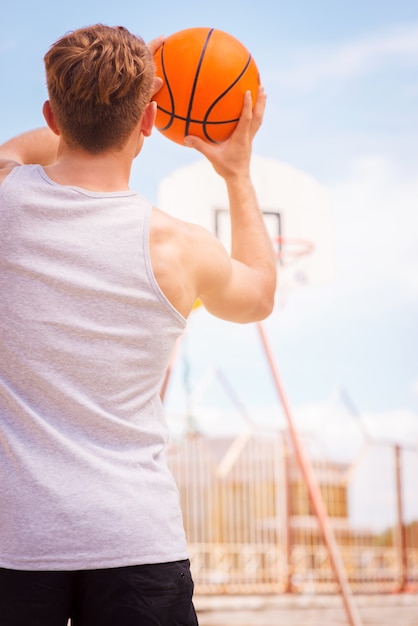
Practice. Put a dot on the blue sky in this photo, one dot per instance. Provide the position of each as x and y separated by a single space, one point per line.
342 85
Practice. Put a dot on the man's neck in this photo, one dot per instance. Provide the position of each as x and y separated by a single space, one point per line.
105 172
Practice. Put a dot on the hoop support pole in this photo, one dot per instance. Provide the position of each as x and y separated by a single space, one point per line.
313 490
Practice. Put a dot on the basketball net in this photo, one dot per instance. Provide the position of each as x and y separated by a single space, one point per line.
291 253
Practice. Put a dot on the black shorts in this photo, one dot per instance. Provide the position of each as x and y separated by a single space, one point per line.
140 595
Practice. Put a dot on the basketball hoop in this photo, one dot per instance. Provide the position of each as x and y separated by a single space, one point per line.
290 249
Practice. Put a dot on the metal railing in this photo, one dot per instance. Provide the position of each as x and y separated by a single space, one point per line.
251 527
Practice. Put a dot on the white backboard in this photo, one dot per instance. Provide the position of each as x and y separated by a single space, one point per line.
296 208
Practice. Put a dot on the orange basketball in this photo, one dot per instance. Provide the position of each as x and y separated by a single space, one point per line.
206 73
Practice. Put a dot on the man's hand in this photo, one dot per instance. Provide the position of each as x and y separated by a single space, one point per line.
233 155
153 45
34 146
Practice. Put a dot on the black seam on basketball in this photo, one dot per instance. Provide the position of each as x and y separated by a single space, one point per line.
199 65
215 102
170 93
191 120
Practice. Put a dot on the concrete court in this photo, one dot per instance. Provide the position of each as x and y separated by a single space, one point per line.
305 610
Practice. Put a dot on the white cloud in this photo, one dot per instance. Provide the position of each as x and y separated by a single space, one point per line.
318 65
376 250
377 235
332 428
340 433
396 427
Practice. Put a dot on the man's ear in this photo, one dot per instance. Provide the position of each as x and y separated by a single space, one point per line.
148 118
50 117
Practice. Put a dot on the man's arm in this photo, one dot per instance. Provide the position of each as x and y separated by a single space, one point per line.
35 146
240 288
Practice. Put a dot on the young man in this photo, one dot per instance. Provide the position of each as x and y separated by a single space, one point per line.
95 287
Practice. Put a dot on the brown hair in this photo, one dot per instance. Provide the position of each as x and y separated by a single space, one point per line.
99 79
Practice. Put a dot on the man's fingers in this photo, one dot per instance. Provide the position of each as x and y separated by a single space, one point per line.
158 83
191 141
259 108
246 111
154 44
252 117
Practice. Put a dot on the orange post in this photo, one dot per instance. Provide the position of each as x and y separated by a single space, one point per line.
313 490
401 543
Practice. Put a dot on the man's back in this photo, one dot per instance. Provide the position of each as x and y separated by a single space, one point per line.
85 337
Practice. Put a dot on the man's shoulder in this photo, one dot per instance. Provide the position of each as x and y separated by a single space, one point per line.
167 222
7 166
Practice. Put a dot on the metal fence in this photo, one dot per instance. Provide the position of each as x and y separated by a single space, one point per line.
251 526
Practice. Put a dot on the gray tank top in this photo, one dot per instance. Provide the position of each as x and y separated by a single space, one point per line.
85 338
